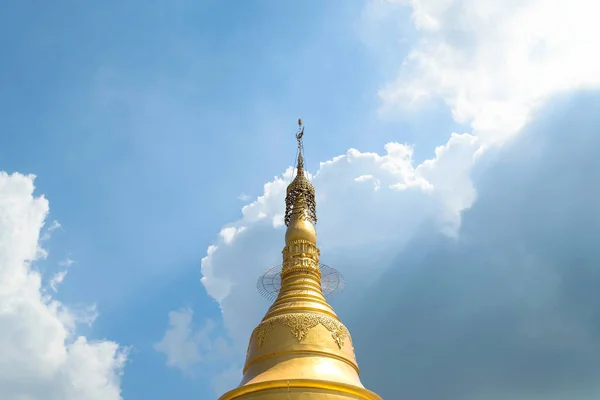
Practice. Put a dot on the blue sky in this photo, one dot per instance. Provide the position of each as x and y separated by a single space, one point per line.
145 121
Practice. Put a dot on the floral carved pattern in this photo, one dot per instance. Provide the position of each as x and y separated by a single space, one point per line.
299 324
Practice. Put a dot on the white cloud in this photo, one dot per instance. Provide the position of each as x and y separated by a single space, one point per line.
378 217
41 356
67 262
228 234
53 226
352 215
450 174
179 343
494 62
185 347
244 197
57 279
518 287
60 276
369 178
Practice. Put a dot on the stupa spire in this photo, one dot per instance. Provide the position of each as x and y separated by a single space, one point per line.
300 204
300 349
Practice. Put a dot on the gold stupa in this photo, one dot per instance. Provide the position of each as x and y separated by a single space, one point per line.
300 350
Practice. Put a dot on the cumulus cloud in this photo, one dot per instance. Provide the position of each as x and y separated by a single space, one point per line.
494 62
510 309
178 344
185 347
229 233
41 355
356 214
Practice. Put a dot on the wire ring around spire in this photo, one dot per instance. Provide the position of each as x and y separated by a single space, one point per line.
269 284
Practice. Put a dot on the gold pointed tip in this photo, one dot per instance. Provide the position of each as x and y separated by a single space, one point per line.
299 121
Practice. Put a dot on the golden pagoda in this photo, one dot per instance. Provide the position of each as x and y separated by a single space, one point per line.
300 350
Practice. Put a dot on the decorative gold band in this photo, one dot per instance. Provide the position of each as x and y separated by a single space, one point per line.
334 387
299 324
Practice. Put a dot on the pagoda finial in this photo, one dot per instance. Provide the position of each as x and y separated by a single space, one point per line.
299 136
300 199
